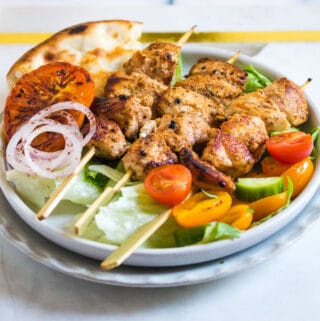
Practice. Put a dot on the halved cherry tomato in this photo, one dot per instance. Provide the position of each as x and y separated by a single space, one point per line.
272 168
169 184
300 174
239 216
199 209
267 205
290 147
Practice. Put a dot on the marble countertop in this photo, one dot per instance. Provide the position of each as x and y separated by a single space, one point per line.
284 287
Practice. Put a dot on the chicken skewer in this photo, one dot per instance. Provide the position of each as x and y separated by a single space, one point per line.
87 216
255 145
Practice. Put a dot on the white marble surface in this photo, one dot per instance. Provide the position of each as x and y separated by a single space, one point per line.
283 288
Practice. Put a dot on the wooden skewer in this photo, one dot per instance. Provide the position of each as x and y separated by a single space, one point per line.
185 36
232 59
134 241
58 194
106 196
305 84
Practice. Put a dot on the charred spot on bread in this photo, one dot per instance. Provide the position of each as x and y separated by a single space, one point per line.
77 29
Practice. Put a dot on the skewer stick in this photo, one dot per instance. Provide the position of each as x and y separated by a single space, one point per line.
134 241
305 84
105 197
58 194
185 36
232 59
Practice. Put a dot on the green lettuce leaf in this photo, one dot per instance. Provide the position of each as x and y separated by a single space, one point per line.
255 79
82 190
315 133
178 72
133 208
219 231
184 237
33 189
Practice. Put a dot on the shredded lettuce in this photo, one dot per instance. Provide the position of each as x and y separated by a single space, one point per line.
255 79
133 208
82 190
109 172
33 189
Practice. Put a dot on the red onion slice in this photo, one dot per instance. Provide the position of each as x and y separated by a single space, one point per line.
23 157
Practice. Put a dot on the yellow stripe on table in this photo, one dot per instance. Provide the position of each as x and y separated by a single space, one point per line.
218 36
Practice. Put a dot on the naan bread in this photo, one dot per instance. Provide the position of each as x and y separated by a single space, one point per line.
100 47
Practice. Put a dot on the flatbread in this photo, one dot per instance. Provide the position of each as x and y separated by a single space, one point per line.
99 46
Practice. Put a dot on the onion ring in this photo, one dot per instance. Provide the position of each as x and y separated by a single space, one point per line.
25 158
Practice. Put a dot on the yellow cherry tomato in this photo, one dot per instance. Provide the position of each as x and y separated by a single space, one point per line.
300 174
267 205
271 167
199 209
239 216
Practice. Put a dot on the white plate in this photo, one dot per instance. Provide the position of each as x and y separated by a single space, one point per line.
55 230
59 259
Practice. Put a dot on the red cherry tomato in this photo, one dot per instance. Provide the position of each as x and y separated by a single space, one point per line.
290 147
169 184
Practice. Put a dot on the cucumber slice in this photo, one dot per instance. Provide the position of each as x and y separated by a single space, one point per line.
178 72
252 189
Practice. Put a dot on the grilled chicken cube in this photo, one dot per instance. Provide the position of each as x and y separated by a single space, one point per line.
204 175
220 70
148 153
259 104
179 99
227 154
148 127
183 130
127 112
220 90
288 97
129 101
108 139
142 87
158 61
250 130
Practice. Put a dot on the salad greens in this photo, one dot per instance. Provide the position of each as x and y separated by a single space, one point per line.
178 72
255 79
36 189
203 234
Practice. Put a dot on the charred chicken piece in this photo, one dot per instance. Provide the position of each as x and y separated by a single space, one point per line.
227 154
128 113
220 90
259 104
147 153
145 90
179 99
250 130
204 175
220 70
158 61
183 130
129 101
108 139
288 97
